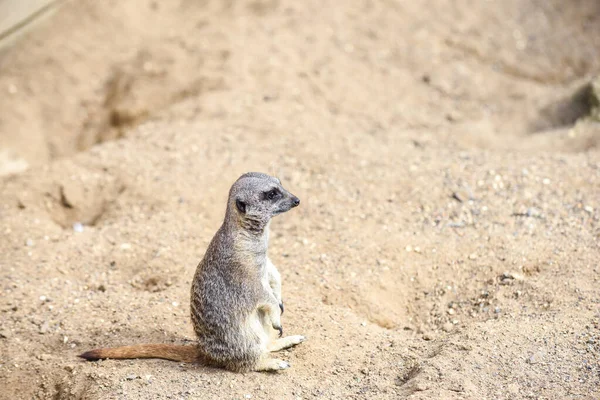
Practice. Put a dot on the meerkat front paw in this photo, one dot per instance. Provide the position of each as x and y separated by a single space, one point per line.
275 318
278 328
286 342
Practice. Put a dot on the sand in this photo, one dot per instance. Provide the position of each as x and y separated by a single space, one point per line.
447 244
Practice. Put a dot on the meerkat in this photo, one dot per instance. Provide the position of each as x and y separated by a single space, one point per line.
236 302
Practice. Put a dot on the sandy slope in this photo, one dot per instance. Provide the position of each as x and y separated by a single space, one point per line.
447 241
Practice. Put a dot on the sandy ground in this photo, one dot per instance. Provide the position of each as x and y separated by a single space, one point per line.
447 244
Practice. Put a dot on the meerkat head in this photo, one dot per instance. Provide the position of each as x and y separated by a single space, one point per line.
257 197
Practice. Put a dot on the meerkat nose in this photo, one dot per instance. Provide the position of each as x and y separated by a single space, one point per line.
295 201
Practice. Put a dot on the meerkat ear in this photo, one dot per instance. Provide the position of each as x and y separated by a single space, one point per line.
241 206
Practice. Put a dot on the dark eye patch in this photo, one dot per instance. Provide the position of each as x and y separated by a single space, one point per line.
272 194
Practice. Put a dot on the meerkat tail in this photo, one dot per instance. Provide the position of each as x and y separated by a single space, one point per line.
171 352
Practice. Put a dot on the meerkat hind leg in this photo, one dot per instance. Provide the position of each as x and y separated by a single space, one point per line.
271 364
286 342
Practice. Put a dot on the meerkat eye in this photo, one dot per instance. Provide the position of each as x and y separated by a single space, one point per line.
241 206
272 194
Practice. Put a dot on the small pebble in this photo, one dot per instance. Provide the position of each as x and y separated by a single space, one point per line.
428 336
131 377
29 243
535 358
513 275
513 388
460 196
448 327
44 328
78 227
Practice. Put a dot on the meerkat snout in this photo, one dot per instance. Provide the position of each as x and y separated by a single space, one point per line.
290 201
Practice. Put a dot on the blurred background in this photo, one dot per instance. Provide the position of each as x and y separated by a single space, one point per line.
77 73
